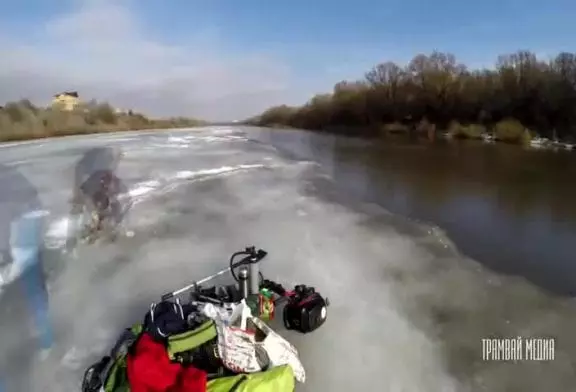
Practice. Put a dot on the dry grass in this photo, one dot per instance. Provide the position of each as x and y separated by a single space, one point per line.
22 120
511 131
469 131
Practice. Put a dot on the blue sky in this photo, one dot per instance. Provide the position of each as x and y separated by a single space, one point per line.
476 31
266 52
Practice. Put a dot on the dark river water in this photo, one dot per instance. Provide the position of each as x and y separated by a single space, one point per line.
510 208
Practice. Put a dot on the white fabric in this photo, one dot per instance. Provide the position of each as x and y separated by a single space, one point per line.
213 312
237 349
280 351
236 345
240 315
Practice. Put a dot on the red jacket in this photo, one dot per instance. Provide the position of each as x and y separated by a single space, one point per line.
150 370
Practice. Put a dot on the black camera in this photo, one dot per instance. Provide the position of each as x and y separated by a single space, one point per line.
305 310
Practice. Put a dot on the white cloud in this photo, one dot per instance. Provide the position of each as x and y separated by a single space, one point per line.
102 50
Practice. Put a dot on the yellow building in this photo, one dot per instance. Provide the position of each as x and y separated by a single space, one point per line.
67 100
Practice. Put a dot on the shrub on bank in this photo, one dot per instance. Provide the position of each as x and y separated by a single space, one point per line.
511 131
22 120
470 131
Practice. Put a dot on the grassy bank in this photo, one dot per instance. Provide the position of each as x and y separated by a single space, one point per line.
22 121
506 131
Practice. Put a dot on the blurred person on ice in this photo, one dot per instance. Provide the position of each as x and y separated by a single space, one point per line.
99 193
23 290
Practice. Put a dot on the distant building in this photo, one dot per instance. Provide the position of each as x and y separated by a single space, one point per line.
67 100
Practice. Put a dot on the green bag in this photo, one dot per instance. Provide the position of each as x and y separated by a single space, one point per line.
190 340
277 379
115 377
117 380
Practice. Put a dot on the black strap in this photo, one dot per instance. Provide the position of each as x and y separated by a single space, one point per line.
237 383
94 377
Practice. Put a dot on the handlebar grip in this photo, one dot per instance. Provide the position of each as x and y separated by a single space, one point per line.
167 296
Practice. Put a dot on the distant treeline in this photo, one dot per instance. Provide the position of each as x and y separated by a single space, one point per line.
521 97
23 120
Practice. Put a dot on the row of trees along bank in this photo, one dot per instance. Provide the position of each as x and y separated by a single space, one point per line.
521 97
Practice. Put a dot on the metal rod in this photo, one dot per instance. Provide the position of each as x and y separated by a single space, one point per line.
254 274
201 281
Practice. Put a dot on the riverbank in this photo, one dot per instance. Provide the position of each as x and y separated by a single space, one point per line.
23 121
508 132
520 99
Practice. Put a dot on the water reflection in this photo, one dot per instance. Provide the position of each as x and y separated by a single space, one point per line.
513 210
